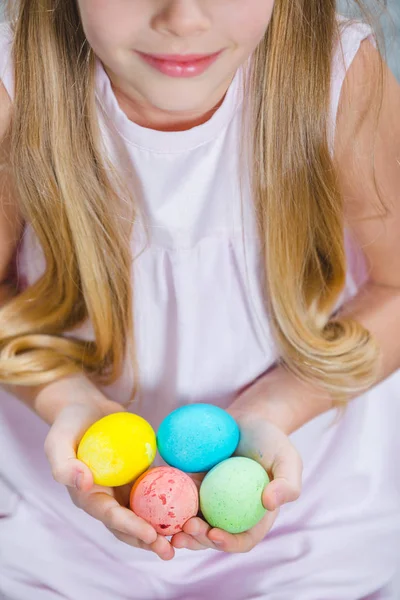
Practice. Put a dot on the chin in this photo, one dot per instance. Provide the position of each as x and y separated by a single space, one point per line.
181 108
182 101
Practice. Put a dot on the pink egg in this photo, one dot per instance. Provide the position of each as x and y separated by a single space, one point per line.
166 498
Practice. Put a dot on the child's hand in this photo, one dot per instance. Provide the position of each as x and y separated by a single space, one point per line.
107 505
264 442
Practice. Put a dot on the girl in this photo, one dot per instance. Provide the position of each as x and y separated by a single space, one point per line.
200 202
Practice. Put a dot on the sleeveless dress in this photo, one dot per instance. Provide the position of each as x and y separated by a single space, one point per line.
202 335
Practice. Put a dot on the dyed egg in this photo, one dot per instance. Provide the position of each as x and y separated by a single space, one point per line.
196 437
231 494
118 448
166 498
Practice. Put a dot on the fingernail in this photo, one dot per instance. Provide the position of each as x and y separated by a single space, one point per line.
79 481
218 543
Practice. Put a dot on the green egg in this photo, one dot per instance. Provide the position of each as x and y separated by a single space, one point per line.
230 495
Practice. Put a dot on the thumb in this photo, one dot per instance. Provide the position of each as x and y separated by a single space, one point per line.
286 470
63 438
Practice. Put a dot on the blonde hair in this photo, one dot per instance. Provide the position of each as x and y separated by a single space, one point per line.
71 195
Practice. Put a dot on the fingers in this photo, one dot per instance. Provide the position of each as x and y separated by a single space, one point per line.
264 442
286 469
161 546
198 535
194 536
63 439
183 540
100 504
243 542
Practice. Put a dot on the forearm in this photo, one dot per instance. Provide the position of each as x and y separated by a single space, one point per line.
280 397
377 308
48 400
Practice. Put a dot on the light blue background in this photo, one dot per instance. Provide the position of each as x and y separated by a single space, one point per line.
391 25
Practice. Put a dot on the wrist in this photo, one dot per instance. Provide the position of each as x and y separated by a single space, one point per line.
282 399
52 398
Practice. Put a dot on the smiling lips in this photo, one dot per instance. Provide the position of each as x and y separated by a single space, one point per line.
174 65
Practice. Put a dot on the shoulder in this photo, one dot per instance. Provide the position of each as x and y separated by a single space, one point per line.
368 123
367 161
365 79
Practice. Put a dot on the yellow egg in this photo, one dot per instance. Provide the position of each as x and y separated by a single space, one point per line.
118 448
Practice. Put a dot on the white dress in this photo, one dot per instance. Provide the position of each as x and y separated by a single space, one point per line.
201 335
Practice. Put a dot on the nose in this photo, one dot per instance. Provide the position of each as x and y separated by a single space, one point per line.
181 18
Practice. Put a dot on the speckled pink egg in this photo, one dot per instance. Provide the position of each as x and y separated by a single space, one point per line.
166 498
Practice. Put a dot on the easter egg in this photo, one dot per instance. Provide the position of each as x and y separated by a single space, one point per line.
196 437
118 448
231 494
166 498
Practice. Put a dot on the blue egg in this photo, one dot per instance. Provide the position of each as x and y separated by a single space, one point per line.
196 437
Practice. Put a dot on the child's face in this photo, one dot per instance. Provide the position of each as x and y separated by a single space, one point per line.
118 29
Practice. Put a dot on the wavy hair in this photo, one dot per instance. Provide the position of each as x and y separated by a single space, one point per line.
69 192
